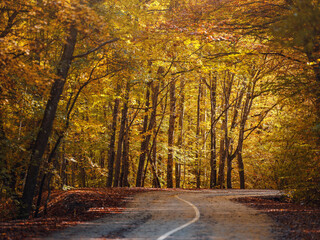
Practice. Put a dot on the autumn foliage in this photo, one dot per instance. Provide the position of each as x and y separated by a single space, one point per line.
170 93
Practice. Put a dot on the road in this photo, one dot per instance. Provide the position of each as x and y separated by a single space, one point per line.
180 214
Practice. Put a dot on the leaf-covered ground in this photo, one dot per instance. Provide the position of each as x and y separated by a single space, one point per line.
67 208
294 221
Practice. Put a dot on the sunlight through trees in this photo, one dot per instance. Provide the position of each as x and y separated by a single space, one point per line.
159 93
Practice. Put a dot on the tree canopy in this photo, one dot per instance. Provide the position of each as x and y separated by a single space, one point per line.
162 93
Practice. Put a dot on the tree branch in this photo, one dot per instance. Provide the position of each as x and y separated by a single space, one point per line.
95 49
10 24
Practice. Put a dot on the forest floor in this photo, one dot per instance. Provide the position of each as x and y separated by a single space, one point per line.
293 221
68 208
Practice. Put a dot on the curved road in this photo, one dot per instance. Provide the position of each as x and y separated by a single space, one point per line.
180 214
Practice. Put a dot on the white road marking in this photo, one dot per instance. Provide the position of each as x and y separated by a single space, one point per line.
196 218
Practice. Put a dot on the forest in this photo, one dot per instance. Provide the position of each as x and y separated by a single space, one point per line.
159 93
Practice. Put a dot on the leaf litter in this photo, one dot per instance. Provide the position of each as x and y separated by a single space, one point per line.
68 208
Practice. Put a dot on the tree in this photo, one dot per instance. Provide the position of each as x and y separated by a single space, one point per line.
121 139
172 89
180 141
111 154
213 143
298 29
49 115
145 142
250 62
47 122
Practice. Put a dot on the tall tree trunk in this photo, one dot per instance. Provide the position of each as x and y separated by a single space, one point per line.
180 136
229 166
117 180
178 174
213 144
228 143
155 86
152 156
203 119
222 156
233 125
47 123
111 153
198 150
48 174
239 155
224 150
241 168
244 116
144 145
171 133
125 158
152 124
154 159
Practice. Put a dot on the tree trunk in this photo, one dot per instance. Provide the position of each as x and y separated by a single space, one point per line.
125 159
144 145
224 142
203 119
239 152
47 123
231 155
241 169
152 156
178 174
82 176
213 144
180 137
63 172
47 175
152 124
229 169
171 134
222 154
117 180
154 159
111 153
230 78
36 212
244 116
198 150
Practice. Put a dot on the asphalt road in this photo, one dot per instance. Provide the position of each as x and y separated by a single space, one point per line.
180 214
